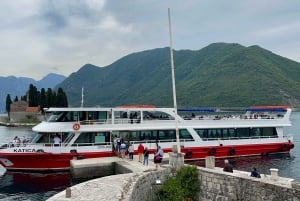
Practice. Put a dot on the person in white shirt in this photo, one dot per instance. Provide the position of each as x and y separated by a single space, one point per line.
56 140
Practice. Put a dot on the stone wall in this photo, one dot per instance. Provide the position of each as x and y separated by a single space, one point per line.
222 186
147 186
21 116
215 185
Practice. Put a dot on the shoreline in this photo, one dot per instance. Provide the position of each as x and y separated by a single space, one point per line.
16 124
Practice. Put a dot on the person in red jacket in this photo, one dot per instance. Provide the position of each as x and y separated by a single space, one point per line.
141 152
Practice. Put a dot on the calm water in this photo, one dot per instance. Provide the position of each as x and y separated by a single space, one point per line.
39 187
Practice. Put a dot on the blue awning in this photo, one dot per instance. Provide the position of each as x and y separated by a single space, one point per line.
266 109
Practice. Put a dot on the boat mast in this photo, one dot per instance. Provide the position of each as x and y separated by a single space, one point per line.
173 84
82 96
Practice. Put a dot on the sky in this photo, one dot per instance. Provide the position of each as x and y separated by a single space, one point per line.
39 37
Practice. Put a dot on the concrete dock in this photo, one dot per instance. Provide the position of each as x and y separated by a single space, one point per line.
100 167
92 190
141 183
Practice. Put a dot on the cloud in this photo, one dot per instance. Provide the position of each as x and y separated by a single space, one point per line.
40 37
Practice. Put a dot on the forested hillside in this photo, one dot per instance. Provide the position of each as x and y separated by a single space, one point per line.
220 75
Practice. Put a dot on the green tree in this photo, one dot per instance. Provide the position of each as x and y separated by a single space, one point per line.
61 98
8 103
33 96
50 98
184 185
43 99
16 99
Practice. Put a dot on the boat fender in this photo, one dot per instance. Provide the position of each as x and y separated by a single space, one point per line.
212 151
232 151
189 154
292 146
73 151
76 126
40 150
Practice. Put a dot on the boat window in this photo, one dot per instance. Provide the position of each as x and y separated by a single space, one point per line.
63 117
231 133
184 134
54 116
243 132
48 137
255 132
148 135
228 133
166 135
68 138
86 139
214 133
35 138
202 133
269 132
156 115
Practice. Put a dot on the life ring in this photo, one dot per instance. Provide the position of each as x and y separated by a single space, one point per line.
232 151
212 151
76 126
189 154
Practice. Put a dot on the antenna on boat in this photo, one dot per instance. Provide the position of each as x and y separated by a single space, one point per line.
173 84
82 96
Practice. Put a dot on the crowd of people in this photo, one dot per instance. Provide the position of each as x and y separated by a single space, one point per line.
125 149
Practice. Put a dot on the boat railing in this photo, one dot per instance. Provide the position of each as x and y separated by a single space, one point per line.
239 138
99 145
31 145
235 117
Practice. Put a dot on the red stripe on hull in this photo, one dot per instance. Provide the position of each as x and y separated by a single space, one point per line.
41 161
237 150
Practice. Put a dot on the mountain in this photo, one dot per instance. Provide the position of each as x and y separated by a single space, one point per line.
17 86
221 75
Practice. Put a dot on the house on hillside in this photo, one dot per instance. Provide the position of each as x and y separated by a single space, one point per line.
20 112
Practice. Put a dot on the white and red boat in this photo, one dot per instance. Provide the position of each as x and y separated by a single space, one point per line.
91 133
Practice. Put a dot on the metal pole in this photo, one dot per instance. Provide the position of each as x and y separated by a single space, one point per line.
173 84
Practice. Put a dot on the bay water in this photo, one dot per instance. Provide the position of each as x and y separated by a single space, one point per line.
38 187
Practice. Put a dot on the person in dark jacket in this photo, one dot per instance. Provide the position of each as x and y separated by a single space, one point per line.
255 173
228 167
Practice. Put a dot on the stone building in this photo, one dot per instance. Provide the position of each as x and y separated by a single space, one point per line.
20 111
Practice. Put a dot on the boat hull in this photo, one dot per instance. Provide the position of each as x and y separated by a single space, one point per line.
45 162
236 150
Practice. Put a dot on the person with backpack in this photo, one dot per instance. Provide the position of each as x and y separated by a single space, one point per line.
158 156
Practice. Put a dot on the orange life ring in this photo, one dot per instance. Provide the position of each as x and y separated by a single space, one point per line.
76 126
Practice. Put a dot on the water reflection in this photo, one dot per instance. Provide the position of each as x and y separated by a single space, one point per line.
32 186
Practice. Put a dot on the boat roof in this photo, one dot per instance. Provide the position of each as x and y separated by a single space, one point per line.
268 108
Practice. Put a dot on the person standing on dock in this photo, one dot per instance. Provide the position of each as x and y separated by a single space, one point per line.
130 151
123 149
227 167
146 156
141 152
158 156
